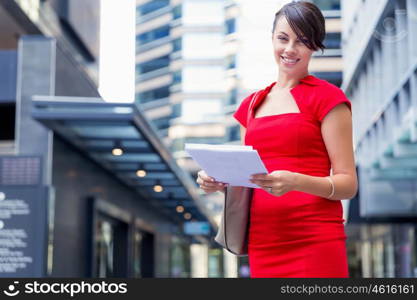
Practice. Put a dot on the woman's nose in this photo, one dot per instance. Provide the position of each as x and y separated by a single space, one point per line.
290 49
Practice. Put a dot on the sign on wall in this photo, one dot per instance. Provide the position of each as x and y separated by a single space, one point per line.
23 218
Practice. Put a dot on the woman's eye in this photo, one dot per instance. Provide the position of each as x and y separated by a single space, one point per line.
282 38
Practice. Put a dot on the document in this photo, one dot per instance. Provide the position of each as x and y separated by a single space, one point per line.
232 164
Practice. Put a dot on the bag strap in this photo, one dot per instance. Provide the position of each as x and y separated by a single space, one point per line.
252 102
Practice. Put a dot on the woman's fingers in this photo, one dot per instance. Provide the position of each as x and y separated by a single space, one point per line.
208 184
205 177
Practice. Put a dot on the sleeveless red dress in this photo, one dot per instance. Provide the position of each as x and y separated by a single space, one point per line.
296 234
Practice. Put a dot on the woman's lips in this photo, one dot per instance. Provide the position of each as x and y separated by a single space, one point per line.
289 61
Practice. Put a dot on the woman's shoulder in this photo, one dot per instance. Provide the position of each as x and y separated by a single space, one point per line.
323 86
325 97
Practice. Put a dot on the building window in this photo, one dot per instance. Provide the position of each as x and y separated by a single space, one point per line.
234 133
232 99
177 45
332 40
176 110
152 35
231 62
177 77
151 7
148 96
327 4
230 26
152 65
162 123
177 12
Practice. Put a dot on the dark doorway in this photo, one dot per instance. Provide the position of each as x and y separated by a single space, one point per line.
143 255
110 247
7 121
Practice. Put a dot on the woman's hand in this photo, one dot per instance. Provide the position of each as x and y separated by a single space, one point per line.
208 184
276 183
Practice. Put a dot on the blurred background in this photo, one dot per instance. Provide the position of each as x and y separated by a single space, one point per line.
98 98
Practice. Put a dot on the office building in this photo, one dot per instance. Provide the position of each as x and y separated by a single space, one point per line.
87 188
379 42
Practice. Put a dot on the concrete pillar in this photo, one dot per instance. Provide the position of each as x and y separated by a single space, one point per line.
412 28
401 36
35 76
230 265
199 261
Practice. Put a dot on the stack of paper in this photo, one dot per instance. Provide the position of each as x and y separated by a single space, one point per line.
232 164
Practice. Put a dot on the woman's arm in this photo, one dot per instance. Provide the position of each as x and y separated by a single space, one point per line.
336 130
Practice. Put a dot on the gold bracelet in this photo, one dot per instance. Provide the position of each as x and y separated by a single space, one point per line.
332 183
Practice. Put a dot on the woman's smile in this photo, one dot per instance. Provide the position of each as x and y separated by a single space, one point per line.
289 61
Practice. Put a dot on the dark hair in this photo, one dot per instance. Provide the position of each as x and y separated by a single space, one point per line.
306 20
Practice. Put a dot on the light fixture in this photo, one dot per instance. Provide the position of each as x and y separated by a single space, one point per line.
179 209
117 150
158 188
141 173
187 216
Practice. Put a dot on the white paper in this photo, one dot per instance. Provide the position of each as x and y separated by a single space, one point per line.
232 164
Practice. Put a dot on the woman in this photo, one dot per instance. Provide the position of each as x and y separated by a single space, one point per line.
301 126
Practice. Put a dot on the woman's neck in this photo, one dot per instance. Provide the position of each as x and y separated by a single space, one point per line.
286 81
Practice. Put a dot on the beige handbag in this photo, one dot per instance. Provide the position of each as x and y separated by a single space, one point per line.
233 230
234 225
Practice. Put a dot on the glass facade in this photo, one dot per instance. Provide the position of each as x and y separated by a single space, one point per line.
177 12
333 40
151 6
231 62
152 65
230 26
104 250
327 4
180 258
148 96
177 75
152 35
215 263
383 251
177 45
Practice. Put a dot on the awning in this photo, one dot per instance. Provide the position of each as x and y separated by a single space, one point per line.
119 138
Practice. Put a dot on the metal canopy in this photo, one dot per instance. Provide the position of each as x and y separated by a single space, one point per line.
96 127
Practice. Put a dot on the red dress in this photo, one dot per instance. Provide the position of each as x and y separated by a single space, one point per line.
296 234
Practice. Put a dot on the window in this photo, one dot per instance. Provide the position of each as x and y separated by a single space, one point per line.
230 26
231 62
327 4
176 110
151 6
234 133
177 45
177 77
152 35
332 40
162 123
152 65
232 99
148 96
177 12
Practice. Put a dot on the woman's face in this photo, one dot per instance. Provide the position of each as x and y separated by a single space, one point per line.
291 54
